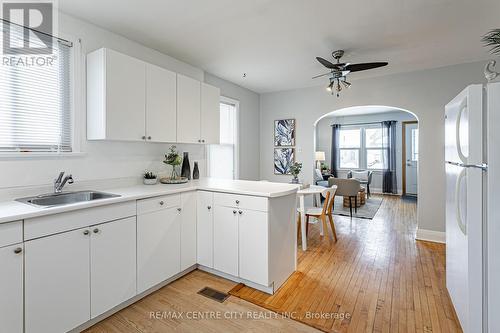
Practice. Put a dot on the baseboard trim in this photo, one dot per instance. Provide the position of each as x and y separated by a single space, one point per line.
431 236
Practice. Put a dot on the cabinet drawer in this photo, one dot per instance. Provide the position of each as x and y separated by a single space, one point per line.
158 203
11 233
53 224
240 201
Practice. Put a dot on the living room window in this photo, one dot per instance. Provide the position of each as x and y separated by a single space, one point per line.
361 147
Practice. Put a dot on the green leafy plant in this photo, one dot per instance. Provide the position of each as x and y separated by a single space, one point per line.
295 169
492 40
174 159
149 175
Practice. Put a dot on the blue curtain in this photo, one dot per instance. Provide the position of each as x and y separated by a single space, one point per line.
389 182
335 149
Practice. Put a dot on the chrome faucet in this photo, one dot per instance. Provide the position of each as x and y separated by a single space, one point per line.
60 182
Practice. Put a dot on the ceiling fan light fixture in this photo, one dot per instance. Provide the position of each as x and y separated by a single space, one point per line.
346 84
329 88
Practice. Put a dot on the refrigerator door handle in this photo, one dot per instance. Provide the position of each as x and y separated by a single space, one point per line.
461 155
458 212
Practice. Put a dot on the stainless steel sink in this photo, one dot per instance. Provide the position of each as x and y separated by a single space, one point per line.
65 198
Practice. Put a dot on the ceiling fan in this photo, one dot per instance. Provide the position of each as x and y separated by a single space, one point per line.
339 71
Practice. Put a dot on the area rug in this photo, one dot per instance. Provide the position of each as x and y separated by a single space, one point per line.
366 211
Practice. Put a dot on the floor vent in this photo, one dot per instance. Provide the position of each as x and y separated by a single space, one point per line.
213 294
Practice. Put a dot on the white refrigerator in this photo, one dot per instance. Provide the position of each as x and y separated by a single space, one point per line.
472 155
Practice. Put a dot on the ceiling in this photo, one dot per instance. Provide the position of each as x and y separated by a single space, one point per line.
276 41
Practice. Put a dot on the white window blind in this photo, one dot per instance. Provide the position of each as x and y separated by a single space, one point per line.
35 98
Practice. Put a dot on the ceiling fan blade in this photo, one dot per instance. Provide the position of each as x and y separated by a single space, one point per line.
326 63
315 77
364 66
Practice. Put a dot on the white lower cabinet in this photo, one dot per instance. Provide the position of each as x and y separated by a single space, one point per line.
205 229
158 247
188 230
11 289
226 240
112 264
57 282
253 246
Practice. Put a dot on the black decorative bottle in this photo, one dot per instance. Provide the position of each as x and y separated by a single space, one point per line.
196 171
186 168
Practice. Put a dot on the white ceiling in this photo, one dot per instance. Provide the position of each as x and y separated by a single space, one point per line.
276 41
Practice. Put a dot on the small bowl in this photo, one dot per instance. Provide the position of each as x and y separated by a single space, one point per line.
150 181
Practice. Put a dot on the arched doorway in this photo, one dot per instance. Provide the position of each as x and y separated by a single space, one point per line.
364 144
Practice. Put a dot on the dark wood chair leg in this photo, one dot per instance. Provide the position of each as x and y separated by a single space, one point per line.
350 205
356 204
368 189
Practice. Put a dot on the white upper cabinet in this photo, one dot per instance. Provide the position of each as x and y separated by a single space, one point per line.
188 109
116 96
161 104
210 114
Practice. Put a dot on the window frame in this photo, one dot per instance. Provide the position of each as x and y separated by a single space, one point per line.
363 149
236 155
76 107
350 148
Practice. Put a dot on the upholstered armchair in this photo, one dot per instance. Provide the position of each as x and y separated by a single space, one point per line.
318 179
363 176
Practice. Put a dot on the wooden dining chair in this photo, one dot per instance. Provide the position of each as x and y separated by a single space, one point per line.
321 213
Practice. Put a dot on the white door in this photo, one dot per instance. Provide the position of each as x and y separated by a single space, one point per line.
188 230
188 109
112 264
158 247
411 158
11 289
226 240
125 97
161 104
57 282
205 229
210 114
253 246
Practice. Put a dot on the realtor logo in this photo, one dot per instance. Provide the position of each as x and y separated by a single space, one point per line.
28 27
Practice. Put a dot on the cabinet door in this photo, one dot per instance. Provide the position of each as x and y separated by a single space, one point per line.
125 97
161 104
158 247
205 229
57 282
253 247
11 289
210 114
226 240
188 109
188 230
112 264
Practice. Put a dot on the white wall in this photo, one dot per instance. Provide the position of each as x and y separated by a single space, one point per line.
425 93
249 122
324 140
114 160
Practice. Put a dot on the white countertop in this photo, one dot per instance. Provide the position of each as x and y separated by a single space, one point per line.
14 211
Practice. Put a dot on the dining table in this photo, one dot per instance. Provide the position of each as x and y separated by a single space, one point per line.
315 191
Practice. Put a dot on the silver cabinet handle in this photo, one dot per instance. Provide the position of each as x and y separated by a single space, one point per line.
237 202
179 209
234 212
18 250
149 137
209 207
95 231
86 232
203 140
240 212
161 203
144 137
199 140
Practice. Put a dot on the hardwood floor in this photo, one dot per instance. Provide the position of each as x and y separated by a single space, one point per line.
376 278
178 308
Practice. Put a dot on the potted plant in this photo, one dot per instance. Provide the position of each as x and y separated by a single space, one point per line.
174 159
149 178
295 169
